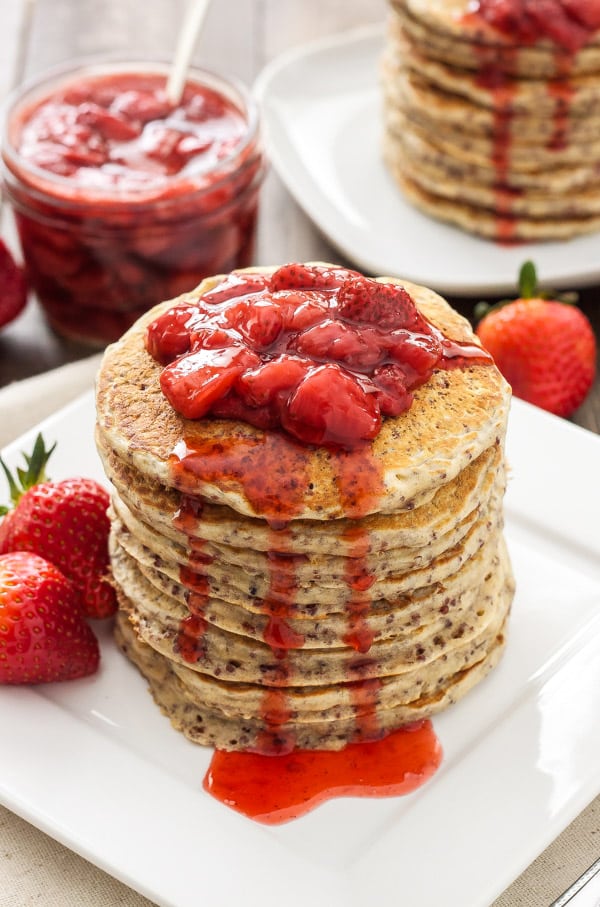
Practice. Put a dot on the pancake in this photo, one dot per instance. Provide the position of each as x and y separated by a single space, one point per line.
277 594
446 34
432 516
317 625
494 136
455 416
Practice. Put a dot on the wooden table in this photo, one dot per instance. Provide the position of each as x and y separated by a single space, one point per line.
240 36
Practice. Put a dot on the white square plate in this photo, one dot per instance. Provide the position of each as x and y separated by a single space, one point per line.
322 121
94 763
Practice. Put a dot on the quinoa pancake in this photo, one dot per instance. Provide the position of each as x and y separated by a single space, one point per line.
455 416
490 115
277 593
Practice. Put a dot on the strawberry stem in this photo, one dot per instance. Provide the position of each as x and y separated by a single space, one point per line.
528 281
33 474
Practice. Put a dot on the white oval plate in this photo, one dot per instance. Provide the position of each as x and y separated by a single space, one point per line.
321 114
96 765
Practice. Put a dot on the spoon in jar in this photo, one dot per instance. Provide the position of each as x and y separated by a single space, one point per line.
186 42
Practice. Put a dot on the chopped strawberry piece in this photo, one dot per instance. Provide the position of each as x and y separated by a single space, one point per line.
339 342
331 407
160 143
392 393
262 385
383 304
416 355
194 382
235 285
300 310
140 105
569 23
553 21
169 335
110 125
213 338
233 407
307 277
258 320
587 12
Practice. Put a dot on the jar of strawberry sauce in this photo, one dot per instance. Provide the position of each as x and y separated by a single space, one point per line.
122 199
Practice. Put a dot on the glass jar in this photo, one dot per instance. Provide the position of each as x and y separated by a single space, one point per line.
120 199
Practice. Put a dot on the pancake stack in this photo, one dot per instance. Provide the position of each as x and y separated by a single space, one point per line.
279 595
490 131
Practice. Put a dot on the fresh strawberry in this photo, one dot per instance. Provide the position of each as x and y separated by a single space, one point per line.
386 305
307 277
64 522
13 287
43 634
545 348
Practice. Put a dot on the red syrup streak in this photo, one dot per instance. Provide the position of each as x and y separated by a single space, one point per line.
494 78
190 643
359 580
278 782
561 91
273 790
280 598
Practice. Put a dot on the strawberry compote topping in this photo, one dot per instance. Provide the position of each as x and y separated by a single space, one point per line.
123 199
122 132
568 23
322 353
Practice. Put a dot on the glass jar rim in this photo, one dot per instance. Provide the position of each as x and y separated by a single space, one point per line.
46 182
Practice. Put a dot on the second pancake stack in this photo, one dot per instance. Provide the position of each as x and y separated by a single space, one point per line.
492 124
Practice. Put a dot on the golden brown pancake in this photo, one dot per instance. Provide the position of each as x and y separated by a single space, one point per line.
252 569
495 137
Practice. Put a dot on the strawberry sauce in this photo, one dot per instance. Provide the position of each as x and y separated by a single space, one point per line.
123 199
275 790
320 354
310 354
570 26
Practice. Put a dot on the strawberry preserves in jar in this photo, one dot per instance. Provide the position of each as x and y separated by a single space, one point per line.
123 199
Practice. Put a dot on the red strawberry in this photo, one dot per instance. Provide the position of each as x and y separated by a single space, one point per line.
386 305
545 348
13 287
66 523
43 635
307 277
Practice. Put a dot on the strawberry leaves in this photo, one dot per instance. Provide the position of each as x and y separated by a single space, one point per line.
33 474
65 522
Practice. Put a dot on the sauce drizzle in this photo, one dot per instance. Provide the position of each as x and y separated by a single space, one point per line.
276 789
